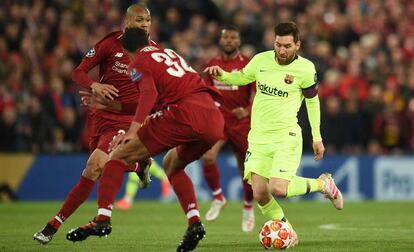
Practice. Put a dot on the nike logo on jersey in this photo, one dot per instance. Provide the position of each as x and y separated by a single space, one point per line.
283 170
261 70
119 55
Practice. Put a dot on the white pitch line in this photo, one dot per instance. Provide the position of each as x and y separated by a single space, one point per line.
334 226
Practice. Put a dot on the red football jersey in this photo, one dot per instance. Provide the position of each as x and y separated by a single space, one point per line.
232 96
163 78
113 62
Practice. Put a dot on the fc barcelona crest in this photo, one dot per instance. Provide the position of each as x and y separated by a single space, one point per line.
289 79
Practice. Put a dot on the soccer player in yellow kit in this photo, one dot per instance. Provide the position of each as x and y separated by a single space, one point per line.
283 80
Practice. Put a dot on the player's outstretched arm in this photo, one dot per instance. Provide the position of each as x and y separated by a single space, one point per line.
234 78
214 71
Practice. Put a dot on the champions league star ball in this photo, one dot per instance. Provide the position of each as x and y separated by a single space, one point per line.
275 234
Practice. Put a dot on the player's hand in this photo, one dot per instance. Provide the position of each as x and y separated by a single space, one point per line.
123 138
214 71
240 113
104 91
318 150
93 101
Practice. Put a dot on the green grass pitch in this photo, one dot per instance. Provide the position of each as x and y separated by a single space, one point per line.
157 226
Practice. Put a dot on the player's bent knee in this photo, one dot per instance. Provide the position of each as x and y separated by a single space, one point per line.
260 194
279 191
261 197
92 170
91 173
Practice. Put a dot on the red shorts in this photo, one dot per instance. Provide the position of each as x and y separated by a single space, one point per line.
193 126
104 139
237 133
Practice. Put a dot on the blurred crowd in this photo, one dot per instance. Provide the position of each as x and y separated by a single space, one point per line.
363 51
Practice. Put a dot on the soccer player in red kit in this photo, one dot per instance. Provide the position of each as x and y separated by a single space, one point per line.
183 125
235 105
114 83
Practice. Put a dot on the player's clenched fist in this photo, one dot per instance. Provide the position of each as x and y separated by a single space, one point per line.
214 71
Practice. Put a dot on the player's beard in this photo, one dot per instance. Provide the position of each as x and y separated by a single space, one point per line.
285 61
229 53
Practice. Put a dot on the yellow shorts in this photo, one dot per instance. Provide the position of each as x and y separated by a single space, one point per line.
279 159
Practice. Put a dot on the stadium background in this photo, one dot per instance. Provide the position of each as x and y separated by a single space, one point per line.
363 51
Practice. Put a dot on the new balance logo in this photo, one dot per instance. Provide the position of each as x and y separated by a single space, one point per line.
119 55
265 89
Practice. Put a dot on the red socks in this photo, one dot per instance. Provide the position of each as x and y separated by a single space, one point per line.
79 193
184 189
248 195
109 185
212 175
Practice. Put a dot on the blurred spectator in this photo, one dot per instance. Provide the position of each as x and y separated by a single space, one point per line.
8 130
363 51
332 124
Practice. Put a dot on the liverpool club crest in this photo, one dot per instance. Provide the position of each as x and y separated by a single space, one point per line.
289 79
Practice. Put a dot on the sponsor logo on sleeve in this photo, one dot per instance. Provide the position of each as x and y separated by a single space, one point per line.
135 75
91 53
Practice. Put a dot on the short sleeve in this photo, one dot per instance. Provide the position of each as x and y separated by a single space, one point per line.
309 76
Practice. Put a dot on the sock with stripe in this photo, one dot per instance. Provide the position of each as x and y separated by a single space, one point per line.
109 185
79 193
212 175
184 189
248 195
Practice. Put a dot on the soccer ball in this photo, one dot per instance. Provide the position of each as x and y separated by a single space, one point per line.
275 234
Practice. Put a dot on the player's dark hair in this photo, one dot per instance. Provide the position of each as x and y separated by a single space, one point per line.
133 39
287 28
230 27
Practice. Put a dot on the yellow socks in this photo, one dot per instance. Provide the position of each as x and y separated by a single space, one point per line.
301 186
272 210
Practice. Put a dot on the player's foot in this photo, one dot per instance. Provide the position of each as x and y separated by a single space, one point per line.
331 191
46 235
98 228
248 220
215 208
143 173
294 239
192 236
124 204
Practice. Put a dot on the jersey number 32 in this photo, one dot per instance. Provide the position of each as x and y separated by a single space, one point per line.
176 64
